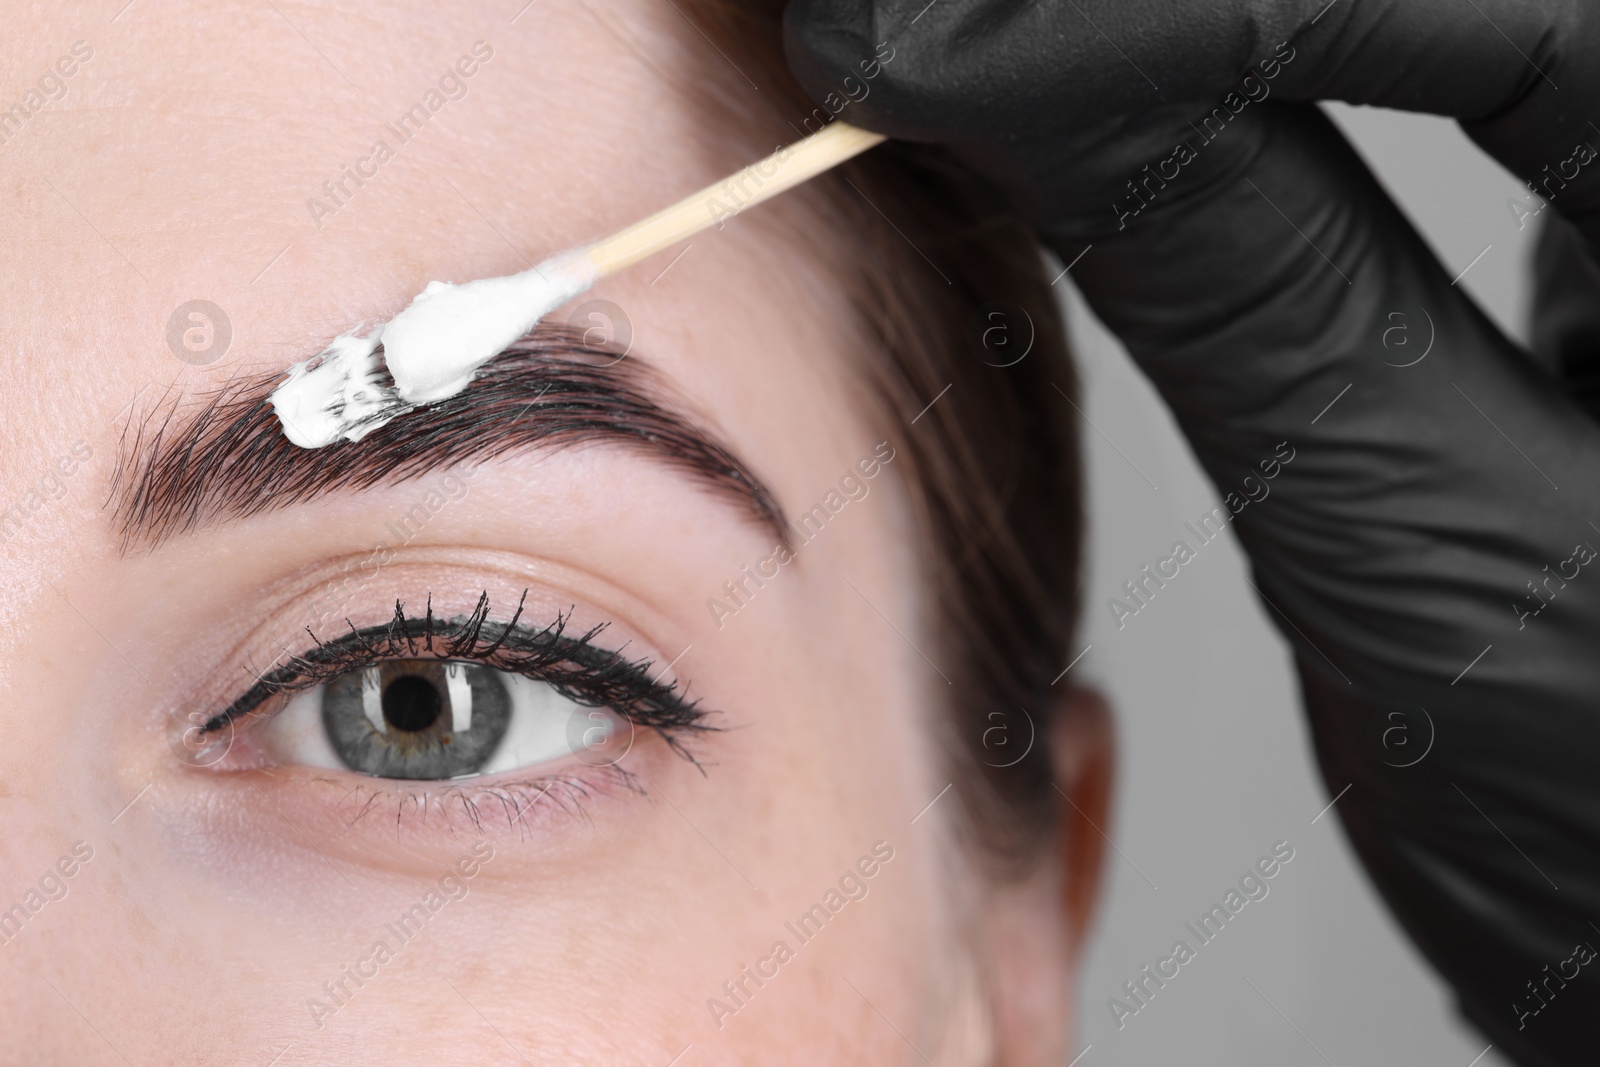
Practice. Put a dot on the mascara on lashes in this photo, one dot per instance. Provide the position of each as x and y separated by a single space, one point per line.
573 666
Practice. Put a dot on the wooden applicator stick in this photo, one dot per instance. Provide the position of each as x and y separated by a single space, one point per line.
779 172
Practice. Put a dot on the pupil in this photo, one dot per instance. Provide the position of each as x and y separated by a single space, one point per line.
411 703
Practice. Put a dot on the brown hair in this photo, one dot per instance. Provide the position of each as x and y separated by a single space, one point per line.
930 251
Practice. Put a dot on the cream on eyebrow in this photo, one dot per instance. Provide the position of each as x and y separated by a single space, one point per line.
432 350
228 459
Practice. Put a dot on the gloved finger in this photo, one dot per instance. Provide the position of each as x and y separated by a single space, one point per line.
1418 520
965 73
1069 63
973 71
1566 312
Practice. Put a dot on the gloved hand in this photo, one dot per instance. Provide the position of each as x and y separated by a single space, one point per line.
1427 554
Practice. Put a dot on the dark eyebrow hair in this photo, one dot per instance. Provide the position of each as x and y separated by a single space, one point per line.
180 468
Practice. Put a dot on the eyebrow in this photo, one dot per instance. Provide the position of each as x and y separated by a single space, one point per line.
182 470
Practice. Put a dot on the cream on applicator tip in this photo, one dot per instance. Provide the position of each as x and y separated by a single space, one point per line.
432 349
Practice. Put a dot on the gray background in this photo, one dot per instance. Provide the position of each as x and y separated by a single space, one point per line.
1215 762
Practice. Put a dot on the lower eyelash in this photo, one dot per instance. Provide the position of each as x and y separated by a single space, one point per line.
504 805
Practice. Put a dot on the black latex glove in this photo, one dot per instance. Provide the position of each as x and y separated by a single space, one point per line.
1428 546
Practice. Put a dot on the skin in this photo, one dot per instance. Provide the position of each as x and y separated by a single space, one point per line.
217 901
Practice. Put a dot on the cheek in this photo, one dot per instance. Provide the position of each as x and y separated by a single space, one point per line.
840 757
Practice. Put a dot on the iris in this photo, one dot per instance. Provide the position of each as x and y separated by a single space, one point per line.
416 718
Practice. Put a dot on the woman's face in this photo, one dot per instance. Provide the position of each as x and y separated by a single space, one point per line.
790 893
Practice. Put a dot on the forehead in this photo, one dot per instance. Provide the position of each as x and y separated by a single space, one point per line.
305 168
267 176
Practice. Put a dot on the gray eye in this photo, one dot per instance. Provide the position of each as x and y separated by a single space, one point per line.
417 718
436 720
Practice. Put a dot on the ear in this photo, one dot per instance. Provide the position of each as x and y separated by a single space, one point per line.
1084 753
1037 926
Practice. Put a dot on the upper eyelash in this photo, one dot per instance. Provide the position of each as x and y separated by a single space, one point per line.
574 666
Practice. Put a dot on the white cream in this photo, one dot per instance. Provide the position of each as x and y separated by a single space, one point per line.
432 350
447 332
336 394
